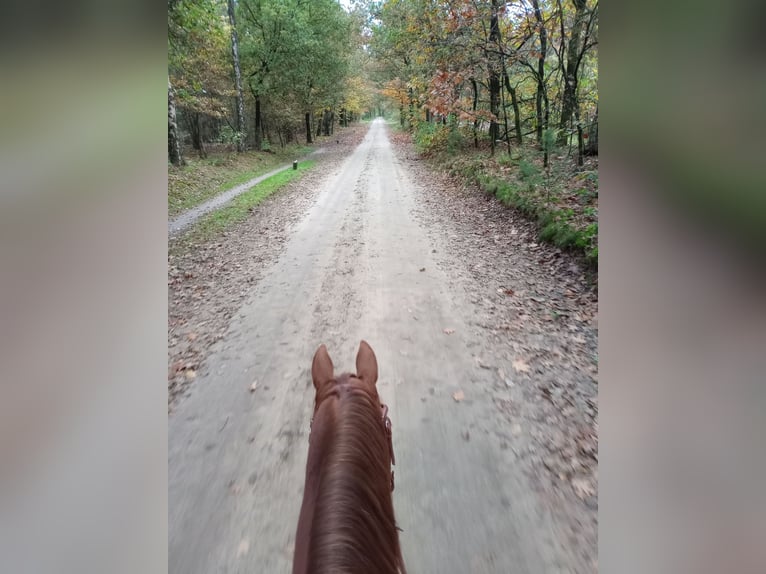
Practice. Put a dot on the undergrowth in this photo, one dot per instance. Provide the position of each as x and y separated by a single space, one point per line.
562 200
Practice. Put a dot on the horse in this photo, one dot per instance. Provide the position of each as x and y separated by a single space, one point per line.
346 523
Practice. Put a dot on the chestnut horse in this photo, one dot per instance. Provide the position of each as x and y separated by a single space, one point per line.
347 524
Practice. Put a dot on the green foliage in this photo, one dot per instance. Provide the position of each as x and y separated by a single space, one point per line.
454 139
198 56
441 53
296 56
431 137
549 139
228 135
592 177
528 170
296 53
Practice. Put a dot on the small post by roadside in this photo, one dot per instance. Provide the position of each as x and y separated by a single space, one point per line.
295 164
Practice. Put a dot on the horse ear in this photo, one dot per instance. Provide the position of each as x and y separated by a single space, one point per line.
322 370
366 364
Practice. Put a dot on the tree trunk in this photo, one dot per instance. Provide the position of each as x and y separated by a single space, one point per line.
569 102
494 108
193 122
267 125
241 143
515 104
412 107
540 71
591 146
309 139
505 119
546 123
174 143
258 124
475 105
579 136
326 123
494 79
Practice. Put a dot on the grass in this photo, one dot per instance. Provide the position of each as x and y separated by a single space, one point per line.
238 209
558 223
202 179
562 201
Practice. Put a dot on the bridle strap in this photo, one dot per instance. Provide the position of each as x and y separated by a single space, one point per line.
389 439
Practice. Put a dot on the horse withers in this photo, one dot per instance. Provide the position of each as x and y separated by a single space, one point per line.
346 524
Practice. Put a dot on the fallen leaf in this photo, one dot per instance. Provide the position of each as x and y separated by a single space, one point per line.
449 331
191 375
244 548
520 366
458 396
192 336
509 292
583 488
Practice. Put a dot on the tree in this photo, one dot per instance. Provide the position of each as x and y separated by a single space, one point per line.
241 143
296 55
481 61
174 143
578 45
198 64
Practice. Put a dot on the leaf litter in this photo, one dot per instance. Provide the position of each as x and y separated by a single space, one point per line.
538 308
208 280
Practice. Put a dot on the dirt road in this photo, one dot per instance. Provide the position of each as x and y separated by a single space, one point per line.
370 260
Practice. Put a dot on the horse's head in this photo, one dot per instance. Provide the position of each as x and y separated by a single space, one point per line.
325 382
347 516
328 385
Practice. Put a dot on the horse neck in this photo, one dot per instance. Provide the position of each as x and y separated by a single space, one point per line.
352 527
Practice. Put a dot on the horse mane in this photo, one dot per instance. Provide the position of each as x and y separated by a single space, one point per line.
353 528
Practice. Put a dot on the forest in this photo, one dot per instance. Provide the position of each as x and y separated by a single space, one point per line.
504 94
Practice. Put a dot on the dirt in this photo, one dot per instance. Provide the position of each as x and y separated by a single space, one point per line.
541 305
207 282
487 345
